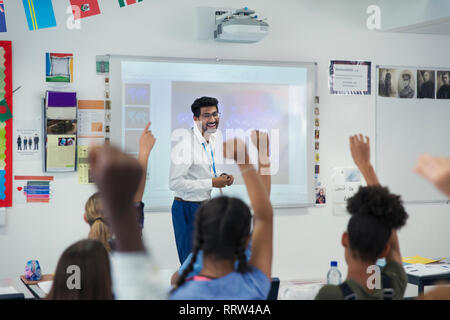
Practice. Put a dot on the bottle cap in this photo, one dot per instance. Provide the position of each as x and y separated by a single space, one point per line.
334 263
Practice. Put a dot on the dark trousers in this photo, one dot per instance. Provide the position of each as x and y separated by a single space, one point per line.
183 217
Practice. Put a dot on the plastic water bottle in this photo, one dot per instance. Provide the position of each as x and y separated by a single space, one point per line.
334 276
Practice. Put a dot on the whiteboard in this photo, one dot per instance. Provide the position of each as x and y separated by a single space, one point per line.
406 128
267 95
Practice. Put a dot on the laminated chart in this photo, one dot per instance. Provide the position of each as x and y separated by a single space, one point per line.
32 189
5 124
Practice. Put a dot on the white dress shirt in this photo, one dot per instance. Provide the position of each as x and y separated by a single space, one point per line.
191 169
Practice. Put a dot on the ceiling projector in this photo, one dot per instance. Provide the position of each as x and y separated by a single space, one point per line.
239 26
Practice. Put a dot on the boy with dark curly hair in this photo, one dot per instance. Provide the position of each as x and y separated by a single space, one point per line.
371 234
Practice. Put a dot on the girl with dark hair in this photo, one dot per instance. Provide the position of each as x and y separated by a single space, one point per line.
260 140
371 235
221 232
83 273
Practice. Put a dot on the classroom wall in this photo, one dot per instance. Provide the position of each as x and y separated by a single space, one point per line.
300 30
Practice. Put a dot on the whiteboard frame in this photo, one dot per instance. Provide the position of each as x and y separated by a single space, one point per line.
378 66
311 95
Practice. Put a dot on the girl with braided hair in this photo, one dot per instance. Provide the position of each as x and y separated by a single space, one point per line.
222 232
260 140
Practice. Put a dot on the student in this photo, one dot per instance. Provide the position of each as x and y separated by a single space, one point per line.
134 272
436 170
85 265
261 141
98 229
371 234
222 231
93 214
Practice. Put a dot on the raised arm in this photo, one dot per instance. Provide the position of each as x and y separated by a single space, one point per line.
261 141
360 150
146 143
262 235
436 170
117 177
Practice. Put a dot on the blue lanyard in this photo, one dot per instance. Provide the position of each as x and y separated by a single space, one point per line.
212 158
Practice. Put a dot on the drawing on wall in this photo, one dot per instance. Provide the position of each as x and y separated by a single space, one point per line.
59 67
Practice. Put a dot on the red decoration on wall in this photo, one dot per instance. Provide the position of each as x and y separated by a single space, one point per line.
7 199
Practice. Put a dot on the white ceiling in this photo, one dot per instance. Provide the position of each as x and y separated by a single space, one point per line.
416 16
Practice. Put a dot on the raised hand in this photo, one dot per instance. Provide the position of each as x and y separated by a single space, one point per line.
146 141
117 177
116 174
436 170
360 150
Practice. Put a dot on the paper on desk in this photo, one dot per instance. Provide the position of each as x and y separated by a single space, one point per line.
46 286
426 269
418 259
8 290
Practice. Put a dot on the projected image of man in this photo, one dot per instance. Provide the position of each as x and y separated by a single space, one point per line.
193 179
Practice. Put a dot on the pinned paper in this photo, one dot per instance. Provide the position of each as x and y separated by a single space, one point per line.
123 3
28 141
2 17
39 14
84 8
32 189
59 67
345 183
321 196
102 64
317 157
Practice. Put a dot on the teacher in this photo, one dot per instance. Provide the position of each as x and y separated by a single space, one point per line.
193 179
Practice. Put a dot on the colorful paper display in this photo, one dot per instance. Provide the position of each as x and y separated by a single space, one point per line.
32 189
6 123
39 14
59 67
84 8
124 3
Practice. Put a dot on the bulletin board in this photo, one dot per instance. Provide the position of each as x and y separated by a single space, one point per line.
6 124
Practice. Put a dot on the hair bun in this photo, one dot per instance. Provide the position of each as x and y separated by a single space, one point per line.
378 202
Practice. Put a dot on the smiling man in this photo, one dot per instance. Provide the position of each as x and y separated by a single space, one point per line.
193 179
